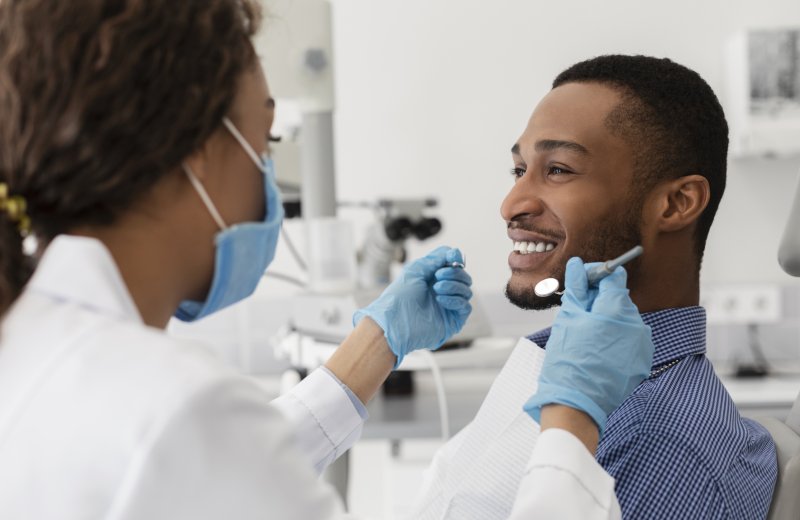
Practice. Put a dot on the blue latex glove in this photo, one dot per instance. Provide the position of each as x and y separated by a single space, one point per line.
425 305
599 348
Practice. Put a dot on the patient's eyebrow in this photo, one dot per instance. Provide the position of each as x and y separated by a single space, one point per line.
548 145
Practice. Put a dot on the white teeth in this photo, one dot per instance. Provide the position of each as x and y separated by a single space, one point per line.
525 248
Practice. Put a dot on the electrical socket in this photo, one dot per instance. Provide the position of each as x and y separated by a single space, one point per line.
742 303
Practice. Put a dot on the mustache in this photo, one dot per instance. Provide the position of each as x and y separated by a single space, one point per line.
528 226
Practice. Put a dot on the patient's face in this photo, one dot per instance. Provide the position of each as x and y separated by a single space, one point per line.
572 190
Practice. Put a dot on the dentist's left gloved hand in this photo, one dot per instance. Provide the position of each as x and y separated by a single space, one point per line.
425 305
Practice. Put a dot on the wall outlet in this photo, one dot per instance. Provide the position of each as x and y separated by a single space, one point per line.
742 304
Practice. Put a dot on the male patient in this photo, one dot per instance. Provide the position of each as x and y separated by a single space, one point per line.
624 150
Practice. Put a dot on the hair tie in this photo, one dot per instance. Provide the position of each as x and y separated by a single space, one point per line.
15 208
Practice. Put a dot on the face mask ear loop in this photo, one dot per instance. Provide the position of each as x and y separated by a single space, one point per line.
198 187
242 141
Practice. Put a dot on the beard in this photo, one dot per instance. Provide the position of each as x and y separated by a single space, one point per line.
607 240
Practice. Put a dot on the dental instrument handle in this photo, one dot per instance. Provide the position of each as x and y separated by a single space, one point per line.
601 271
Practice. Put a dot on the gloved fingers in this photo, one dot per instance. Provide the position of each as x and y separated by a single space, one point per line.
455 255
428 264
617 279
448 288
613 300
576 284
455 274
454 303
438 255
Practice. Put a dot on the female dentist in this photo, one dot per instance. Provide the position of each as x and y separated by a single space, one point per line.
133 145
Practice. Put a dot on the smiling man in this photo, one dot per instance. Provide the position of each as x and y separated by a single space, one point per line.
624 150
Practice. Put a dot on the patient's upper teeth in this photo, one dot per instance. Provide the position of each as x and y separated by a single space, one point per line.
533 247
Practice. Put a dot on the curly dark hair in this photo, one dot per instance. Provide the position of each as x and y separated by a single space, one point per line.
101 98
671 117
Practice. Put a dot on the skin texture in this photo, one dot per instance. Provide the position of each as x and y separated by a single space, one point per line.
580 197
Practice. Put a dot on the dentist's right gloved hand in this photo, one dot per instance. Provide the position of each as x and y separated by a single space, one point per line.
599 348
425 305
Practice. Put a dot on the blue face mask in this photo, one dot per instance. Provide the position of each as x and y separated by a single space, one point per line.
243 251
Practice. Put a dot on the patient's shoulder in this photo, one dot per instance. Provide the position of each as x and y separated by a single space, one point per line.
686 406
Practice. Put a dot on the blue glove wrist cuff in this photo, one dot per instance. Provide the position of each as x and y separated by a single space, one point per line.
549 394
361 314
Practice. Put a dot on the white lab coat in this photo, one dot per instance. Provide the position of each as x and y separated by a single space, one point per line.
104 417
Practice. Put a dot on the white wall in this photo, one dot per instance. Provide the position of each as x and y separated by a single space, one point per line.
431 94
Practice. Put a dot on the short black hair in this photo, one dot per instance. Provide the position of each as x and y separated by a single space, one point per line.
671 116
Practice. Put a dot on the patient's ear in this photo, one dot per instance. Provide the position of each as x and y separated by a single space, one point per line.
678 203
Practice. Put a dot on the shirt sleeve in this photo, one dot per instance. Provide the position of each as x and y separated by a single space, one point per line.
654 469
357 404
324 419
225 453
563 480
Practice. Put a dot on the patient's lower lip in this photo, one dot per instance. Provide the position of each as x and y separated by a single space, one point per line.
529 261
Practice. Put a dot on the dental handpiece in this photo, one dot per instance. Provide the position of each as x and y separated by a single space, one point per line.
606 268
550 286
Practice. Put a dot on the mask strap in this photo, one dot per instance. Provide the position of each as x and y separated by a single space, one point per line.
243 142
198 187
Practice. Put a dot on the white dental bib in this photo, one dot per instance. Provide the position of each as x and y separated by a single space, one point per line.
476 475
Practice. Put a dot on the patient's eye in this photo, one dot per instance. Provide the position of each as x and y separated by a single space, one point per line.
557 170
517 172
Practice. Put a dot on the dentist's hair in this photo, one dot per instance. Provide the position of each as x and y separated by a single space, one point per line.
101 98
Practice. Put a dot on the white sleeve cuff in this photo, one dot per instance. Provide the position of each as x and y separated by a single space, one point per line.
326 422
563 480
561 450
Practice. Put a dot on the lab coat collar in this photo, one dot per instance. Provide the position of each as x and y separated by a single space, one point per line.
81 270
677 333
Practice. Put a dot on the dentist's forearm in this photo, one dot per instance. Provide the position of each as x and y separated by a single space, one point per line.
574 421
363 361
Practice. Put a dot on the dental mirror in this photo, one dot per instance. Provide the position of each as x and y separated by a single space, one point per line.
547 287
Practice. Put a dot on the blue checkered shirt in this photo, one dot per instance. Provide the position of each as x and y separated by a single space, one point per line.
677 446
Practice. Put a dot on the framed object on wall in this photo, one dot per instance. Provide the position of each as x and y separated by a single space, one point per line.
763 85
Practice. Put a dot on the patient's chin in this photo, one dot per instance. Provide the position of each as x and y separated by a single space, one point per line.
525 298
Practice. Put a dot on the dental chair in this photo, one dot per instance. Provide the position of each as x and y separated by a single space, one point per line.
786 499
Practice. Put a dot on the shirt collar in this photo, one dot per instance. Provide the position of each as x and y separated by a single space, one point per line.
677 333
81 270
